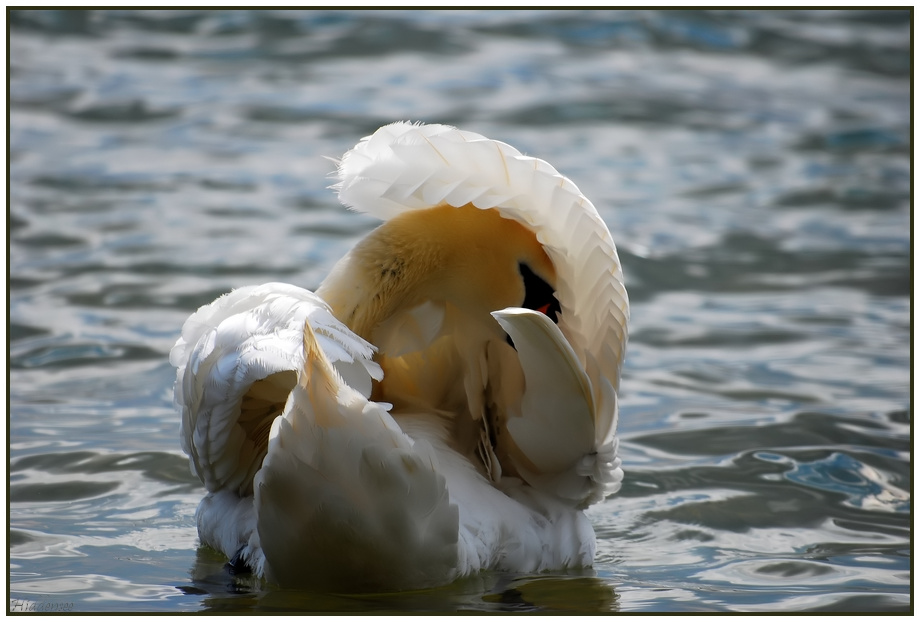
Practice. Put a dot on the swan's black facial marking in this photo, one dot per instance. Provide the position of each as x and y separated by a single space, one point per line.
538 294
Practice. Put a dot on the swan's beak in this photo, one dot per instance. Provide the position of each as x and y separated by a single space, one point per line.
555 427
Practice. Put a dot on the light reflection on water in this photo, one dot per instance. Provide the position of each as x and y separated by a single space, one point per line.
753 167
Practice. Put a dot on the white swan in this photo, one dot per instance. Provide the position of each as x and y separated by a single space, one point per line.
384 433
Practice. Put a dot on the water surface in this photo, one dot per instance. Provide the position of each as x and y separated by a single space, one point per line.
753 166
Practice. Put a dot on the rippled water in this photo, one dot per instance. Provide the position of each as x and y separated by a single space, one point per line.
754 168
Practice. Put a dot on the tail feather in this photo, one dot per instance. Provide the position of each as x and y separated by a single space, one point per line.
345 497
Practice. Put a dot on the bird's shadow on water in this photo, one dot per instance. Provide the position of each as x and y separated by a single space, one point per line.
574 591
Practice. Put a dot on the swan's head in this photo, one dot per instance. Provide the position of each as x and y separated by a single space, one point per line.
472 260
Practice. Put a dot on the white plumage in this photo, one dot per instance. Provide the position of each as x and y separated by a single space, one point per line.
383 433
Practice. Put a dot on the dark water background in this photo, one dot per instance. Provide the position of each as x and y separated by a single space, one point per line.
753 166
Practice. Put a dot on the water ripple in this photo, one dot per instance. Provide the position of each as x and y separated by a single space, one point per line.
753 166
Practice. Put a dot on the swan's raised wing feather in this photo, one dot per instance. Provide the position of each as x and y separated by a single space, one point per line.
237 361
405 167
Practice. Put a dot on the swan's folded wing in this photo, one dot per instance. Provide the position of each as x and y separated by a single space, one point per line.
237 361
555 442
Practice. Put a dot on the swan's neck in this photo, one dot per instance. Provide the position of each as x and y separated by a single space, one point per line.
467 257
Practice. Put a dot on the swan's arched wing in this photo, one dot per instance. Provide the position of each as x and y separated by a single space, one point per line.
405 167
237 361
